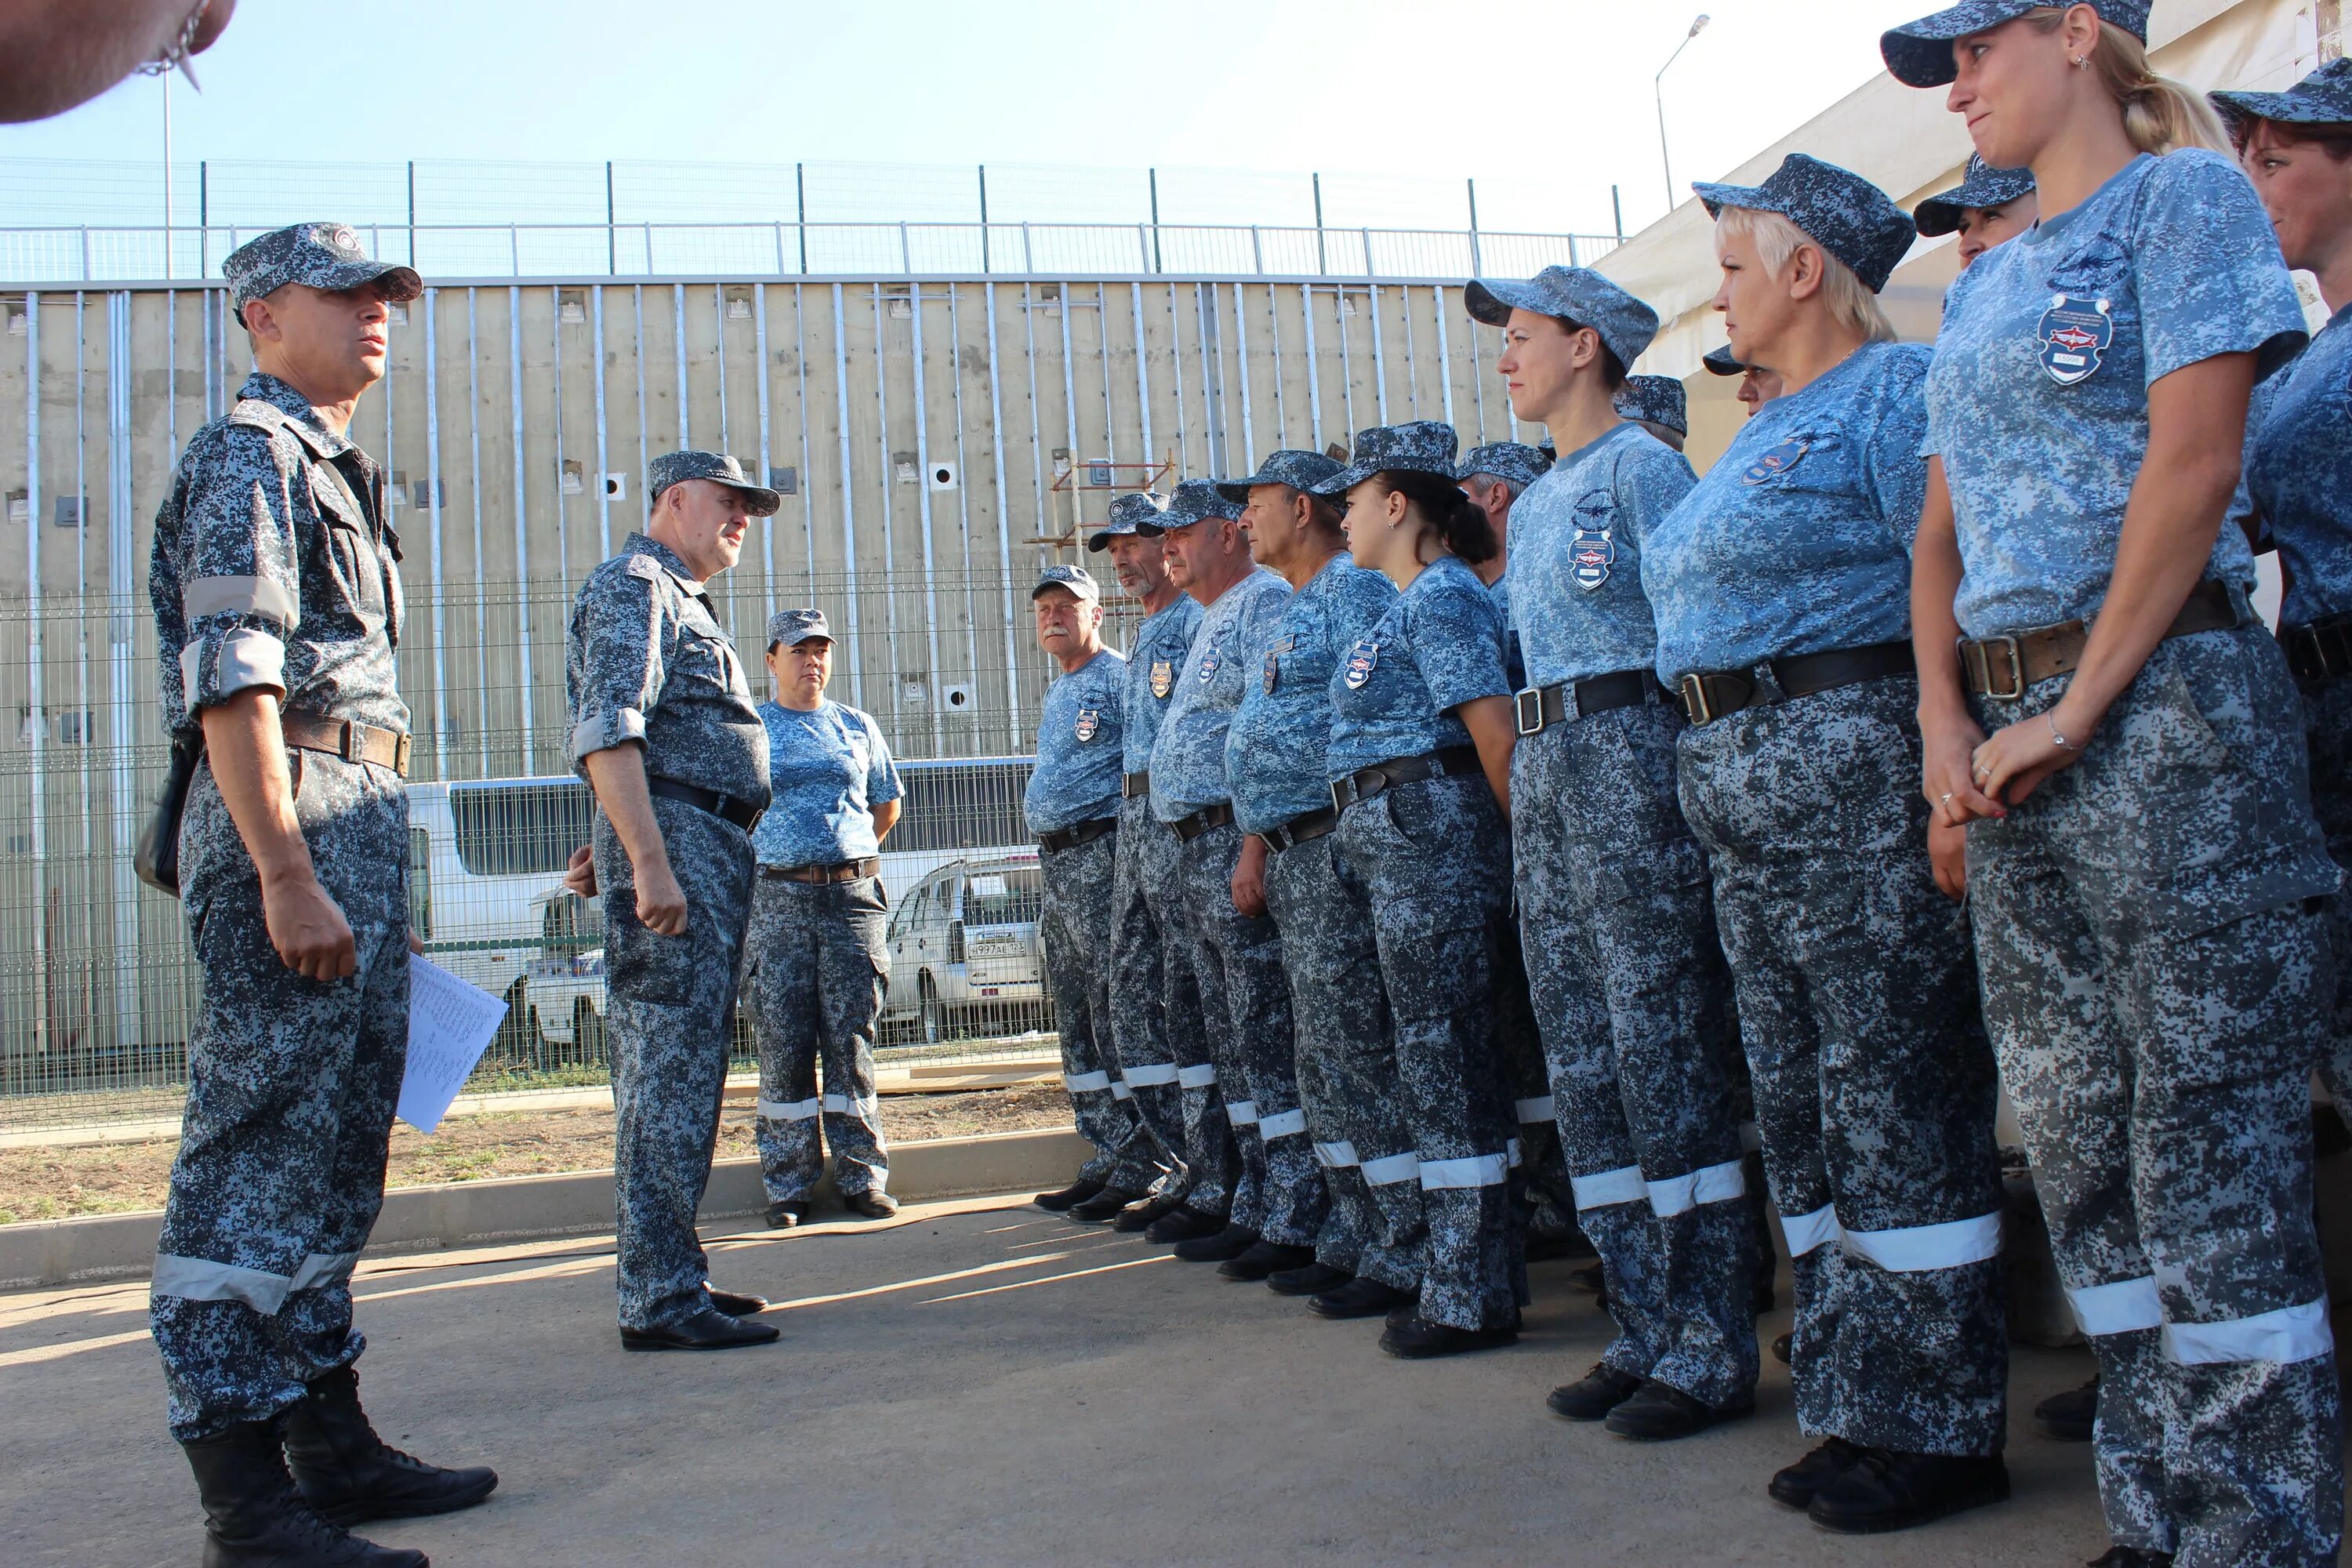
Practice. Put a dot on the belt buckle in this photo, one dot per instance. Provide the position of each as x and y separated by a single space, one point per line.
353 738
400 756
1692 690
2012 653
1530 704
1343 792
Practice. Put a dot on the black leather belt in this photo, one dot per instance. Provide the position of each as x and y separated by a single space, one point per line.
1709 695
1540 708
1366 782
1301 830
839 871
2321 650
1187 828
742 812
1071 837
1133 784
2003 666
348 739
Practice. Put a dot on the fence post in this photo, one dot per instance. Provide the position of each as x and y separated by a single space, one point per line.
1156 266
412 209
1476 268
514 250
800 206
1257 251
649 248
1367 251
611 233
1617 205
1322 256
205 217
905 257
780 250
1028 262
84 269
983 218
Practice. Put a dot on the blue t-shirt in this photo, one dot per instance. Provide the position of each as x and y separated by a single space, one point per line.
1579 532
1274 751
1078 747
1799 539
826 768
2038 399
2299 474
1153 661
1188 759
1439 645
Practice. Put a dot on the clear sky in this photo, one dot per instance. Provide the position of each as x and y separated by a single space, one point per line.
1548 102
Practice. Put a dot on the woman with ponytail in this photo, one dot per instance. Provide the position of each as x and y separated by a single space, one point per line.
1419 763
2103 709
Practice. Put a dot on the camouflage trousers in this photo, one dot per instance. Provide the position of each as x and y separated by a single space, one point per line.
2327 731
1075 925
669 1016
1873 1083
291 1085
1427 866
1245 1003
1539 1172
816 964
1348 1079
2159 991
1635 1003
1155 1006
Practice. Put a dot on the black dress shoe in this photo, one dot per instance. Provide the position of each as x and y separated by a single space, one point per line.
1659 1414
1362 1298
1227 1243
1184 1225
786 1214
1403 1312
707 1330
2131 1557
872 1204
1263 1258
1422 1339
1105 1205
1798 1484
1592 1396
1144 1215
732 1304
1886 1489
2070 1418
1312 1280
1077 1191
1783 1346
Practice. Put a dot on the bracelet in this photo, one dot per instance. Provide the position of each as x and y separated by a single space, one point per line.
2060 741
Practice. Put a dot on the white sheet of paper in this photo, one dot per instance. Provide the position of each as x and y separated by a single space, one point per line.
449 1025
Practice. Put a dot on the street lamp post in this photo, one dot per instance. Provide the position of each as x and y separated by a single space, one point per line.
1660 86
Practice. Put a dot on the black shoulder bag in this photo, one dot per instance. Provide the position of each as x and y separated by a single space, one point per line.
157 859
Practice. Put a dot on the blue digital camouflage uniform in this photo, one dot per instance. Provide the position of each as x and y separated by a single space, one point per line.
1347 1071
648 662
1428 863
1076 782
1856 987
1657 400
2154 978
817 959
1982 186
275 566
1237 959
1628 977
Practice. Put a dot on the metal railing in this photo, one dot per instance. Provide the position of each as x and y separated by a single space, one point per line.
53 255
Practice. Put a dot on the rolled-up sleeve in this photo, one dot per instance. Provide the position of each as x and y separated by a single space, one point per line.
881 769
241 598
621 660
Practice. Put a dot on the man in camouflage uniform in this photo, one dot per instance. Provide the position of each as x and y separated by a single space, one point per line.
665 732
275 587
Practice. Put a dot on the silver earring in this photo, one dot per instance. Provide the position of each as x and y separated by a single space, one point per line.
2082 62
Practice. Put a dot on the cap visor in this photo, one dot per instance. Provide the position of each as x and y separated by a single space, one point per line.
1721 361
1936 217
1098 543
762 501
2285 107
1718 197
1492 302
1237 491
401 284
1343 481
1920 54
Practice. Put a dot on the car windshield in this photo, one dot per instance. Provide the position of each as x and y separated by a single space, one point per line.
1002 898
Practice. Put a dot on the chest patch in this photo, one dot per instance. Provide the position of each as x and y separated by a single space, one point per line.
1776 462
1209 663
1088 725
2075 335
1590 555
1163 678
1362 659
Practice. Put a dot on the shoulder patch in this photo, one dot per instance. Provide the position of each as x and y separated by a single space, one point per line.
644 567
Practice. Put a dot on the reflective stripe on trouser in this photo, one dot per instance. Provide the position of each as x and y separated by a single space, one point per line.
1872 1080
817 961
291 1085
2160 996
1154 1004
1347 1068
1245 1003
1428 864
1633 1000
1074 926
2327 729
670 1020
1519 1043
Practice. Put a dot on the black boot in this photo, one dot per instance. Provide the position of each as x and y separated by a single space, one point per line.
1886 1489
1363 1297
1228 1243
1308 1279
254 1519
1797 1485
1143 1216
1263 1258
1184 1225
348 1473
1592 1396
2070 1418
1077 1191
1105 1205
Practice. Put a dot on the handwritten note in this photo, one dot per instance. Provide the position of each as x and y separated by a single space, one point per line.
449 1025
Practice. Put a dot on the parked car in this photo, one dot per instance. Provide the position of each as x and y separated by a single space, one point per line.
566 979
965 955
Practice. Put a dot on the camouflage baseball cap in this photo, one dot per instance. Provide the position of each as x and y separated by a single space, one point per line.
1299 471
1125 512
1578 293
1982 186
315 255
1418 446
671 468
1919 53
1723 362
1076 579
2323 98
790 628
1195 500
1657 400
1513 460
1838 210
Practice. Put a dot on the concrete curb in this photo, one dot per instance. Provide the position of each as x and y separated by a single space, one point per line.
50 1253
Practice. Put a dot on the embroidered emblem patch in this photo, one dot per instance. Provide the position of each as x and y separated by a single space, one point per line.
1089 724
1163 678
2075 335
1362 659
1273 670
1776 462
1590 555
1209 663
